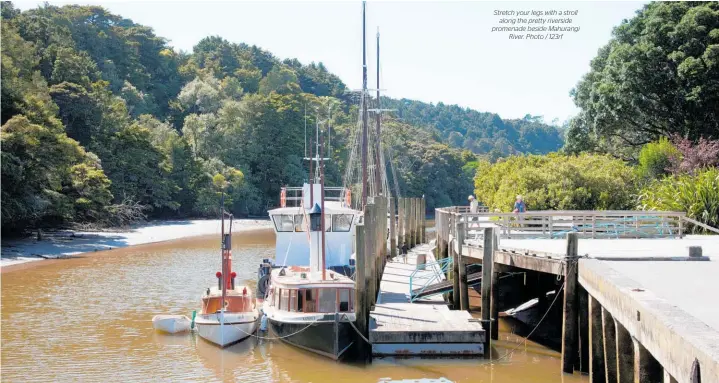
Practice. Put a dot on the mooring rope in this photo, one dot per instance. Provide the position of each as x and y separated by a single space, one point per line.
275 338
356 329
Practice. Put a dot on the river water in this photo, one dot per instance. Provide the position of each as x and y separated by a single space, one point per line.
89 319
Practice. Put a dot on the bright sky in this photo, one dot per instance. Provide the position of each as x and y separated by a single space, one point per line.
430 51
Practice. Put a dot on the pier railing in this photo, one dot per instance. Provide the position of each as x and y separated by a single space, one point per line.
556 224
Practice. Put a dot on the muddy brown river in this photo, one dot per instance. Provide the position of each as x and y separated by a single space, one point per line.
89 319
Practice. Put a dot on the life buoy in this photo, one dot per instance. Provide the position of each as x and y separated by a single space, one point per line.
348 198
283 197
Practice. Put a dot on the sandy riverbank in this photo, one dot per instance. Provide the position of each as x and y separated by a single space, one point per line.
64 243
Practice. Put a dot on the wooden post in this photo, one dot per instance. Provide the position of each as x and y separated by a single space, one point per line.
570 312
378 240
610 346
495 292
414 221
407 223
463 288
392 228
487 263
625 354
400 222
456 295
423 220
369 251
583 330
361 293
597 373
646 368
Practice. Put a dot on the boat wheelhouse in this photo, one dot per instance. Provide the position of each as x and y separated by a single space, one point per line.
290 223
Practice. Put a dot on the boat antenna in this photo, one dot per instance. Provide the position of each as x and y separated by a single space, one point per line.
312 193
363 101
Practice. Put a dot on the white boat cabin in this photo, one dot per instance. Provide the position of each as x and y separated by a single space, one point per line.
292 245
294 291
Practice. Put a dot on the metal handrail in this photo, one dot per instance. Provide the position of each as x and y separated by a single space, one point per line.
438 270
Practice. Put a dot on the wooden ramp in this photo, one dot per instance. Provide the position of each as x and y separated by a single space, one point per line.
445 286
424 328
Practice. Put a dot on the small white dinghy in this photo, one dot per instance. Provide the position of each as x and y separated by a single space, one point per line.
171 323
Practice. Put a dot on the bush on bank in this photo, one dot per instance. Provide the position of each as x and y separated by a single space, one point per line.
557 182
697 194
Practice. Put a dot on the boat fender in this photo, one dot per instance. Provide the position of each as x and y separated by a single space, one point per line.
232 280
262 285
192 324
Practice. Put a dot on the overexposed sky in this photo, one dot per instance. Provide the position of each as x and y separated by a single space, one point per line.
430 51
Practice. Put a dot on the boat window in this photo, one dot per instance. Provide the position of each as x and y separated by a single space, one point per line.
300 300
344 300
310 301
293 300
299 222
327 300
285 300
283 222
328 222
276 298
342 222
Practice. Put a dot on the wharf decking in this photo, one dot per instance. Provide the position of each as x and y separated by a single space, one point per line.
427 327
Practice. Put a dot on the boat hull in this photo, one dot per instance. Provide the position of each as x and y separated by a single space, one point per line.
319 337
234 328
171 323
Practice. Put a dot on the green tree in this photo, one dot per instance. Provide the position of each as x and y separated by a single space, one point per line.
657 76
281 80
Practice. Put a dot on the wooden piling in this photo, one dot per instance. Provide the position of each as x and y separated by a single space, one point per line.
495 292
646 368
361 293
407 223
583 331
400 222
597 373
392 228
625 354
456 295
424 220
486 290
571 303
609 336
463 286
413 222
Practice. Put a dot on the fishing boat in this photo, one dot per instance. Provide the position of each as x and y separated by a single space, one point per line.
309 291
229 312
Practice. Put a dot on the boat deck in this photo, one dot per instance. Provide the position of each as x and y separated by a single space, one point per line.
425 327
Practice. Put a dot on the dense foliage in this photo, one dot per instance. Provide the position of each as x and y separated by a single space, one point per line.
658 76
481 133
103 122
696 194
556 182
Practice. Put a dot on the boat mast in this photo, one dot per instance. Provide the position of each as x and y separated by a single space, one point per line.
363 100
312 194
224 257
378 165
322 202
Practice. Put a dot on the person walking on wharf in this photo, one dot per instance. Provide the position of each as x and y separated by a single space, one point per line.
519 205
473 205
